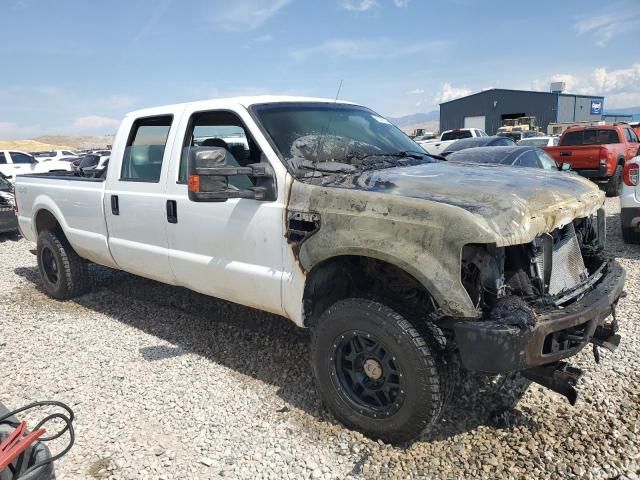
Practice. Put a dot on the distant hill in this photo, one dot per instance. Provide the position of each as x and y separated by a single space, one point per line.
629 110
415 118
57 142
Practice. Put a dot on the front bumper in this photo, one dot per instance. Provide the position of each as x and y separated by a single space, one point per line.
493 347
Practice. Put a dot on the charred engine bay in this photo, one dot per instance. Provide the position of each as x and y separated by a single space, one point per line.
553 271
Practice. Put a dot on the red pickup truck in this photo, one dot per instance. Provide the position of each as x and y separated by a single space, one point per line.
598 152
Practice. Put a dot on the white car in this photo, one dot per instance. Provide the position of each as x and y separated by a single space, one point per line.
539 142
630 202
53 155
13 162
436 147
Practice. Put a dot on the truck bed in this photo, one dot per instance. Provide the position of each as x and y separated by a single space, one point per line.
78 203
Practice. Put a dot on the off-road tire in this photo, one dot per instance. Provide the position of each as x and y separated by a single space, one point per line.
614 185
418 355
72 279
630 236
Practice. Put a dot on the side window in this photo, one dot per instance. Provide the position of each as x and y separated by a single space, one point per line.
143 155
631 135
548 163
221 129
528 159
3 159
23 158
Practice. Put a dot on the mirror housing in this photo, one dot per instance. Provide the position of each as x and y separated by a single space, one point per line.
564 167
209 173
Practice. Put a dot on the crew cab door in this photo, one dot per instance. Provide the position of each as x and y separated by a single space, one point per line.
134 202
22 163
230 249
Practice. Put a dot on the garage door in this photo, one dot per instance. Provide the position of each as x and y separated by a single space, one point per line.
475 122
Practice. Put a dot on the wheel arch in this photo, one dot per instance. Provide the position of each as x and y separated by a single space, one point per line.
348 275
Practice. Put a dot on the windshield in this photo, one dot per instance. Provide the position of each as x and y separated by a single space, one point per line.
334 137
534 142
483 155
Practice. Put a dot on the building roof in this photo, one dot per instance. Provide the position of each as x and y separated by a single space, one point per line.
493 90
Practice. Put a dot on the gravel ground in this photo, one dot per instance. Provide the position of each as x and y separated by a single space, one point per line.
167 383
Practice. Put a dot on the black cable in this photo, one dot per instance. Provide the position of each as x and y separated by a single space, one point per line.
67 428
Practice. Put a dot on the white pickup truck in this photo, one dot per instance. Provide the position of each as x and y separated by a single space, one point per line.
14 163
405 268
436 147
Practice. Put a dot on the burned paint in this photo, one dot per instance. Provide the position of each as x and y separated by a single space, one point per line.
420 217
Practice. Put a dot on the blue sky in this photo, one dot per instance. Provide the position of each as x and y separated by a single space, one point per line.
75 66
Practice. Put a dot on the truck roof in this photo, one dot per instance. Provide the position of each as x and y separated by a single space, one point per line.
245 101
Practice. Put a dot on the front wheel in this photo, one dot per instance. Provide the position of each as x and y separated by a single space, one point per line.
376 373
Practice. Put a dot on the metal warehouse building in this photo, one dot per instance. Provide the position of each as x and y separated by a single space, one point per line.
489 108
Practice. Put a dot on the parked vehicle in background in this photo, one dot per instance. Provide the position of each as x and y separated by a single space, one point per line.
435 147
630 202
514 156
8 219
14 163
518 135
489 141
598 152
539 142
53 155
424 138
636 127
102 153
398 263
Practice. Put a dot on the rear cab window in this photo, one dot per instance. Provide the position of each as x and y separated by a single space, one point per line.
456 135
144 153
590 136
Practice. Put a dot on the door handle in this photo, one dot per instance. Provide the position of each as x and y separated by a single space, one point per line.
115 205
172 211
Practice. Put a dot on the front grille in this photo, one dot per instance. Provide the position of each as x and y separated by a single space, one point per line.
568 269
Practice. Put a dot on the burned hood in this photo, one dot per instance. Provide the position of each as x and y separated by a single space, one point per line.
515 203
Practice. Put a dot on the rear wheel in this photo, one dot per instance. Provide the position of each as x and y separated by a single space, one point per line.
376 372
630 236
64 274
614 185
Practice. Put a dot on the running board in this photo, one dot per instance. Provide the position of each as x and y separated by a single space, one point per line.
559 377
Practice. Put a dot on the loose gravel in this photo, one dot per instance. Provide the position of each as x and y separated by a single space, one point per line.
167 383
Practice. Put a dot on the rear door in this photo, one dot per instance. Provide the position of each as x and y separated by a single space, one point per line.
134 201
22 163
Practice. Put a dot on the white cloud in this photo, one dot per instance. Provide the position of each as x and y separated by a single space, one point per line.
263 38
358 5
96 124
621 87
367 49
12 131
247 15
401 3
416 91
602 28
449 92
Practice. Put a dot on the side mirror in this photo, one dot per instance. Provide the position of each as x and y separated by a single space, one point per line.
209 172
564 167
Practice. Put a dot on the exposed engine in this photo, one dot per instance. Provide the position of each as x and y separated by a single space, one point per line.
555 269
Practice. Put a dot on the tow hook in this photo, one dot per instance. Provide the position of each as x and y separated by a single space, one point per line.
605 336
559 377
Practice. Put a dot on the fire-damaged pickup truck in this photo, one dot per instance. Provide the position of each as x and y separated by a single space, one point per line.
406 269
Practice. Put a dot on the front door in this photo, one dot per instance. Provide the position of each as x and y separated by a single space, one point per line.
233 249
22 163
134 198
